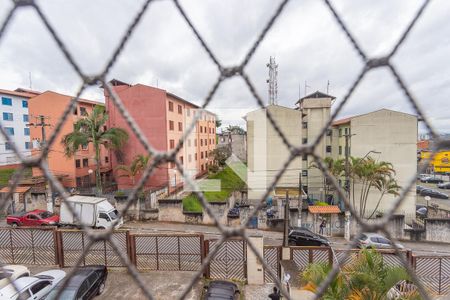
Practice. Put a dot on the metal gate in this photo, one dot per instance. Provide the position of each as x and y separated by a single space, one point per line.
167 252
74 242
433 272
230 261
272 257
31 246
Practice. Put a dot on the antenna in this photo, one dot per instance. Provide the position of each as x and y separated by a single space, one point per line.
306 87
328 86
29 78
272 81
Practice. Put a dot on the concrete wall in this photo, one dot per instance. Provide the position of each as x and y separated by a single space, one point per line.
266 150
171 210
437 230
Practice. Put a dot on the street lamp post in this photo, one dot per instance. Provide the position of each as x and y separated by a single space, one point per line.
175 182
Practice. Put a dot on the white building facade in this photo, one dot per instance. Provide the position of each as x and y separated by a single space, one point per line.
14 118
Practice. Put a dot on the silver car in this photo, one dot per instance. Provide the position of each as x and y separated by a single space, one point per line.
374 240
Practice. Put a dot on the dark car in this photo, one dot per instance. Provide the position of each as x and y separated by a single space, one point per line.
219 289
431 179
433 194
444 186
300 236
419 188
86 283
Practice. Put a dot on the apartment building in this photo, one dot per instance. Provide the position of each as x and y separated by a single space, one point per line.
266 152
78 170
163 118
15 117
315 113
385 135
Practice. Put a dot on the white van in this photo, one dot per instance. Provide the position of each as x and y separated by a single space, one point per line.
93 211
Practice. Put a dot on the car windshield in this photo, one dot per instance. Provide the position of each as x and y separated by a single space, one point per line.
67 293
45 214
113 214
6 274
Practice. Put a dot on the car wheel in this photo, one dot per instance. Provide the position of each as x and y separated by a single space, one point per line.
101 288
14 224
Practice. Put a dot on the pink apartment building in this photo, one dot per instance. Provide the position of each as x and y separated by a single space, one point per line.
163 118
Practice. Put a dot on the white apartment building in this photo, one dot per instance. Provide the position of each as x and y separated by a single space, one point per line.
14 117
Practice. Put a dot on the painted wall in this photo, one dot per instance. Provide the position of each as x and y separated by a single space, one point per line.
437 230
7 157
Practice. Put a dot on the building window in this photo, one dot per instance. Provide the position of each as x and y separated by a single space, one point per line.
106 159
189 158
206 154
26 131
304 141
201 155
340 131
25 118
7 116
83 111
172 144
180 109
189 142
305 173
201 129
181 159
195 142
85 162
180 126
170 106
8 146
328 149
340 150
202 167
28 145
24 103
75 112
77 163
328 132
6 101
201 142
304 125
170 125
195 156
304 157
9 130
78 179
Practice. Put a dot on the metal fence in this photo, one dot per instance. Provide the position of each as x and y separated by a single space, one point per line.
272 258
226 72
28 246
229 261
167 252
433 272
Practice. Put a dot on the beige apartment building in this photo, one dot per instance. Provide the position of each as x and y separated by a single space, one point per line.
385 135
315 113
266 152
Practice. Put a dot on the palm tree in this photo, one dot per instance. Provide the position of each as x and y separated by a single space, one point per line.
368 277
90 129
138 164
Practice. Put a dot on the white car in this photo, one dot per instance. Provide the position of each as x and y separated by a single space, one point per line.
9 273
33 287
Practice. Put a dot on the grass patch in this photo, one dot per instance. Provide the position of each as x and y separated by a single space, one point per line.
229 182
6 174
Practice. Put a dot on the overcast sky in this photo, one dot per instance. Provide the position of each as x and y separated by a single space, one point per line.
306 41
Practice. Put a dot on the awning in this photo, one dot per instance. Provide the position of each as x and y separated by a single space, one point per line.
324 209
19 189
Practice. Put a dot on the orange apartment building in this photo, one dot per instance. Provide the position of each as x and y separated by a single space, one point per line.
74 170
163 118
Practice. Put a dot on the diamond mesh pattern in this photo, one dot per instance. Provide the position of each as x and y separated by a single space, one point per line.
79 245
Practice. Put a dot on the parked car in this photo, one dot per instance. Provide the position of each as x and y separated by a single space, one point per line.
233 212
445 185
219 289
422 211
86 283
431 179
420 176
419 188
35 217
433 194
33 287
377 241
300 236
11 273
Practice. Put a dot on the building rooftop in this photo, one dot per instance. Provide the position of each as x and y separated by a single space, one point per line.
316 94
18 93
18 189
348 119
326 209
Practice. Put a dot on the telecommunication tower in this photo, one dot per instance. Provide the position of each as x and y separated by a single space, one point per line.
272 81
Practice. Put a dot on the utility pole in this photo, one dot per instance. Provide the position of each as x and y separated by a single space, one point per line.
43 124
347 185
300 199
286 221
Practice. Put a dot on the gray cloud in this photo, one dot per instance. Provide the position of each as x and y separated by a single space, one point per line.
306 40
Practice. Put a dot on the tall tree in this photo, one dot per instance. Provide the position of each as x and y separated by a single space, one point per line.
235 129
90 130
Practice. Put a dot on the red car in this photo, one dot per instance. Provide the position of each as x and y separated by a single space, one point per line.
33 218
